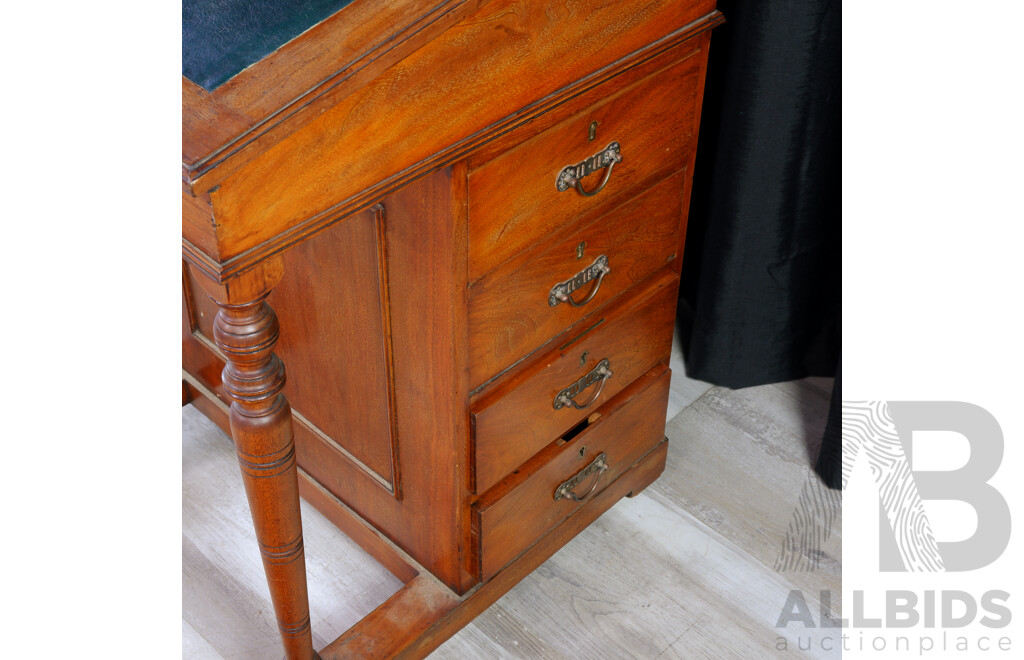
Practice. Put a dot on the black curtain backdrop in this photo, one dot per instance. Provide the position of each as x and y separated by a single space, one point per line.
760 297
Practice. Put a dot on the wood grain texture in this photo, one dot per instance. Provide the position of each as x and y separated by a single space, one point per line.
194 645
347 521
417 630
685 570
430 106
197 223
278 94
334 295
425 252
635 338
357 529
392 630
207 123
200 358
225 604
650 579
274 161
767 427
693 595
370 118
522 508
261 427
513 198
509 313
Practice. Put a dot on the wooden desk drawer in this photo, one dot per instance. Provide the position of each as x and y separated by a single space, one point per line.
514 200
524 507
513 312
520 418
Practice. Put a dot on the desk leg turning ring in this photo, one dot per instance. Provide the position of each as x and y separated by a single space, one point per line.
261 427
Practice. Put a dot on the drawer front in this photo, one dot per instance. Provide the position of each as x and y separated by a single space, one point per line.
518 308
514 199
562 479
528 413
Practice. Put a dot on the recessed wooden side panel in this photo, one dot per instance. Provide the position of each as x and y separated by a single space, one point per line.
200 309
517 419
403 411
199 358
335 341
510 311
424 248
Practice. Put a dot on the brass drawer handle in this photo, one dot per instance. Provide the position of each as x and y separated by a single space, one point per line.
567 396
599 465
562 292
571 175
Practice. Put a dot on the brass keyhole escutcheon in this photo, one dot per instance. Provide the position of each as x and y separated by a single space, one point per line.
583 450
592 131
580 248
583 358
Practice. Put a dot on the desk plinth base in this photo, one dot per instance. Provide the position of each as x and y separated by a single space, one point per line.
424 613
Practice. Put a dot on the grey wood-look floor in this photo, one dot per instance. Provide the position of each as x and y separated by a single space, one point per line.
697 566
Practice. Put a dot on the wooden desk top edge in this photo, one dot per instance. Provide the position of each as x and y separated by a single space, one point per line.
204 115
331 59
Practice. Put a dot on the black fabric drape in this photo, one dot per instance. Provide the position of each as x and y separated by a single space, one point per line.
830 457
760 298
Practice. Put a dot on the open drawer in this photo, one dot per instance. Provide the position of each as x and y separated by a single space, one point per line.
560 480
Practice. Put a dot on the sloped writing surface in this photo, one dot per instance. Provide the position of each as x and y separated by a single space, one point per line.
219 38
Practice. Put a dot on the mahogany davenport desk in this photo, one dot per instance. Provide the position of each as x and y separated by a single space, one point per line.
459 226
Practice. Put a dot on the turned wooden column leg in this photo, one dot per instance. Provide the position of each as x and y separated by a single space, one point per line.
261 426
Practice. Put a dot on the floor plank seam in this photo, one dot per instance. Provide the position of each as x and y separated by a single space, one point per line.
714 527
726 541
676 640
